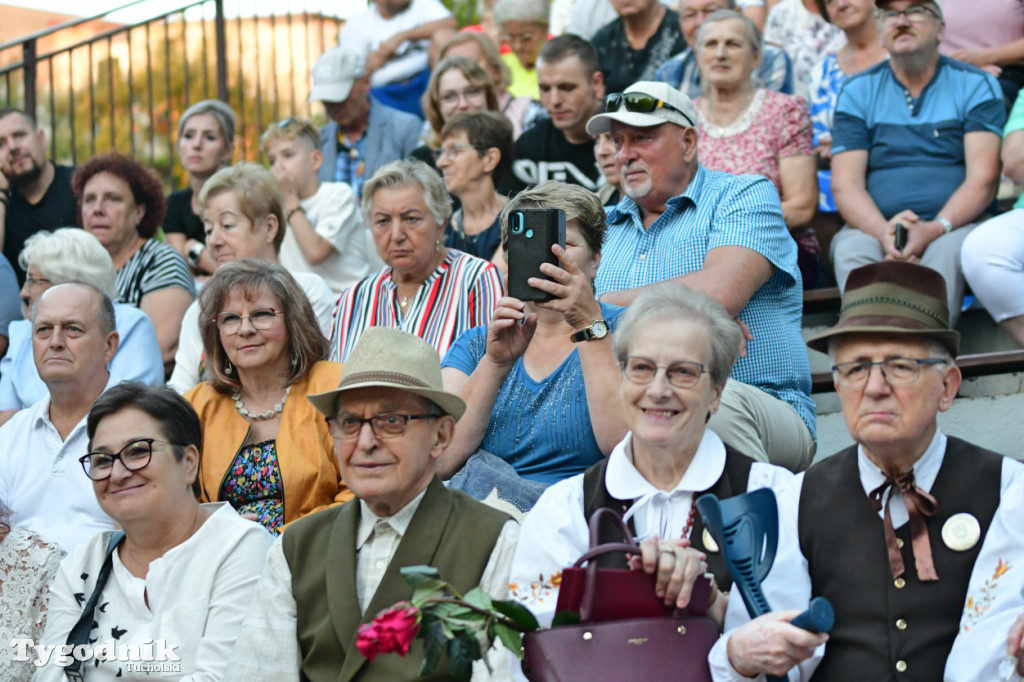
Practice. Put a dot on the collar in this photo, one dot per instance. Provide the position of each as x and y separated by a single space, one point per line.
388 284
399 521
926 468
628 210
625 482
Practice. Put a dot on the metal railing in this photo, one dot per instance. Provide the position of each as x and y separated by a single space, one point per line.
96 85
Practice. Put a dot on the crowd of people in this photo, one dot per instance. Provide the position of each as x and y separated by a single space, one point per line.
231 415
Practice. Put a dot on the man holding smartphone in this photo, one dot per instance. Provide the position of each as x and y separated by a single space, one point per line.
723 234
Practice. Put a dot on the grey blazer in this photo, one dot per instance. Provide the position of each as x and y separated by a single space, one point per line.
390 135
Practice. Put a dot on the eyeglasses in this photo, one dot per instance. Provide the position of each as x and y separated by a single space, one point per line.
386 425
895 371
261 318
134 456
641 371
451 151
640 103
453 97
916 13
521 38
32 282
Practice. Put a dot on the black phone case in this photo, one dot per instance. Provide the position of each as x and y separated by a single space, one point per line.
531 232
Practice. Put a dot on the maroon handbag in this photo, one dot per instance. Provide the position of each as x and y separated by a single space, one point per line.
625 632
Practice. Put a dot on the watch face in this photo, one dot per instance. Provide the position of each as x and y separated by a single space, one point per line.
599 329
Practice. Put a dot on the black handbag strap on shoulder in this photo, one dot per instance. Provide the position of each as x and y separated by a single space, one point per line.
80 632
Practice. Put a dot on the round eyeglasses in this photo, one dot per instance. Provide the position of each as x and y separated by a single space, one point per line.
261 318
641 371
134 456
387 425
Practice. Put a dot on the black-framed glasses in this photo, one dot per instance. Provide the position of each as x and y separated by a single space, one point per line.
261 318
134 456
640 103
895 371
915 13
450 151
641 371
385 425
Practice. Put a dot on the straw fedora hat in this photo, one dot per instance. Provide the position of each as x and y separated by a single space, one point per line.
389 358
893 297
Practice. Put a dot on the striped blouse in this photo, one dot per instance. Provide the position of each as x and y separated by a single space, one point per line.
154 266
460 294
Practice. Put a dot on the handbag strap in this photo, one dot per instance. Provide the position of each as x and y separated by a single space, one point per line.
83 628
596 549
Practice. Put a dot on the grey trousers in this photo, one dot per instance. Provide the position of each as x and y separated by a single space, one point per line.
763 427
852 248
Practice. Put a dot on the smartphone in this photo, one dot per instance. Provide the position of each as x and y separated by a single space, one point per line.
531 232
900 238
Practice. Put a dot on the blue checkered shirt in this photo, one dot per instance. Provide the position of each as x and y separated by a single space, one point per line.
721 209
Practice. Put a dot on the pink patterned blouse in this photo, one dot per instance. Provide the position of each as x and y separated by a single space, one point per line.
773 127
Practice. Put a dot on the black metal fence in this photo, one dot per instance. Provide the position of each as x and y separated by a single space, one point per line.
96 85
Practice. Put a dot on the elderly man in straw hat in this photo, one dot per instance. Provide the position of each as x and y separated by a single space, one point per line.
332 571
900 531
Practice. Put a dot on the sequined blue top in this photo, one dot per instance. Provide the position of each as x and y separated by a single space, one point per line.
542 428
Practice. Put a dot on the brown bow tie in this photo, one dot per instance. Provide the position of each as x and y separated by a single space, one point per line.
919 504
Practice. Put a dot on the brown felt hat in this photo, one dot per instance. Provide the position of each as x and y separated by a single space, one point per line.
893 297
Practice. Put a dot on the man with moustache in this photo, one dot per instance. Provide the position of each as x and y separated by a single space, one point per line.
723 234
559 147
916 143
35 193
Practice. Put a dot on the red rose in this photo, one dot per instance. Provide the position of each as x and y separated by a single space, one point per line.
392 630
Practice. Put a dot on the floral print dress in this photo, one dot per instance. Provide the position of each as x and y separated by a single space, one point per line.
253 485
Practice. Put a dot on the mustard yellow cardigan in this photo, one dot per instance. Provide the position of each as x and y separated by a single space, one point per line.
305 450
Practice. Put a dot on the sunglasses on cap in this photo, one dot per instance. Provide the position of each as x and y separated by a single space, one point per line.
640 103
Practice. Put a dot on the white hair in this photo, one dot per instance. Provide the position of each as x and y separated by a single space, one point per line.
69 254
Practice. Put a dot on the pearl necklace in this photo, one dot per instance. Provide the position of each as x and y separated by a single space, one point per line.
269 414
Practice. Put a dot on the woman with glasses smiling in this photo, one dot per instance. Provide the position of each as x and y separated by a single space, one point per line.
264 451
457 85
676 348
180 572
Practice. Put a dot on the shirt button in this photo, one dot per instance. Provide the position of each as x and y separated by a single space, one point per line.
642 256
900 583
380 563
901 624
901 666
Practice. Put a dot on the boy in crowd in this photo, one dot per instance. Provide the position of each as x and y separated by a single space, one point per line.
325 234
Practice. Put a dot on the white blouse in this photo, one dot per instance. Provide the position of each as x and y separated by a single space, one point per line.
555 532
197 594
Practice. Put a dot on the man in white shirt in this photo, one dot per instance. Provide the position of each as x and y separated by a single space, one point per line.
900 531
41 479
329 572
396 37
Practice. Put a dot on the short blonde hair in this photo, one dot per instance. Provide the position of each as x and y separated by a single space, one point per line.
257 192
291 129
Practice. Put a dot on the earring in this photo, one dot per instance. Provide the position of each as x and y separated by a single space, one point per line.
294 356
227 366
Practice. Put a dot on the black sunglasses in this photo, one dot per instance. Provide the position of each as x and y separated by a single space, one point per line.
640 103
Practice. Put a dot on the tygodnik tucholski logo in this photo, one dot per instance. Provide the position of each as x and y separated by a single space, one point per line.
150 656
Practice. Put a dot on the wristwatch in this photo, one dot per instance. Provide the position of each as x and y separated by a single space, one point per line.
947 226
195 252
598 330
